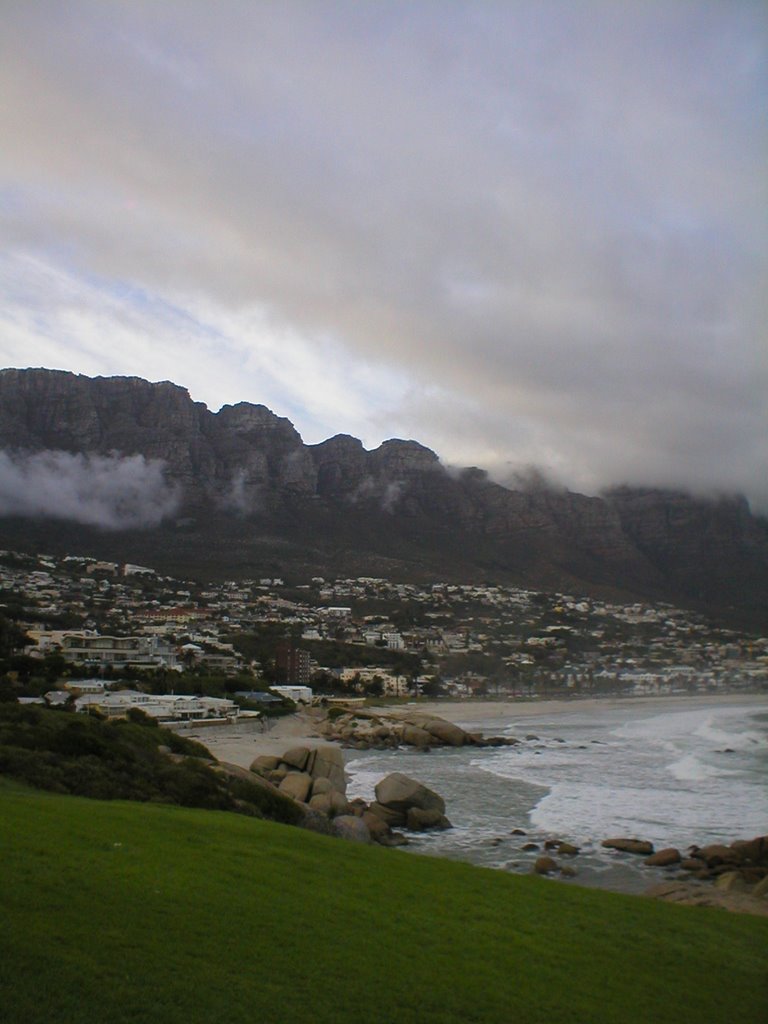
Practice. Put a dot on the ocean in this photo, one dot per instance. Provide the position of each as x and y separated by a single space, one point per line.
676 773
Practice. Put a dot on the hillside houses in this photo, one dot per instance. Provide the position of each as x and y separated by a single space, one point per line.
462 637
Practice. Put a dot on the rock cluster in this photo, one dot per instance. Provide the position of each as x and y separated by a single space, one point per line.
741 866
738 870
366 730
315 779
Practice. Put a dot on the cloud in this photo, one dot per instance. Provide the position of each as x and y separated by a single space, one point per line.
519 232
114 492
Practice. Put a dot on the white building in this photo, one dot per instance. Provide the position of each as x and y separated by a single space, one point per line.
166 707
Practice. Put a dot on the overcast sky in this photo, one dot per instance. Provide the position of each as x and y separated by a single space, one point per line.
520 232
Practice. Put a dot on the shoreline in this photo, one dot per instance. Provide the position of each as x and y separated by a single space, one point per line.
242 742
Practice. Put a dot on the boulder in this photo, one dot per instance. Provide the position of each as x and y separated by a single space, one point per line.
331 803
320 786
663 858
446 732
327 762
692 864
717 854
399 792
545 866
755 851
265 763
419 820
387 815
637 846
568 850
296 757
316 821
394 839
414 736
347 826
377 827
296 785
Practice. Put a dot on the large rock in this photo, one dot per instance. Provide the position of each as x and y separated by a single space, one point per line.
377 827
350 827
753 851
321 785
296 758
296 785
387 814
399 792
419 820
265 763
415 736
638 846
545 866
663 858
331 803
717 854
327 762
448 733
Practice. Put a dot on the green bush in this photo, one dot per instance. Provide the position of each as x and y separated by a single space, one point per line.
121 759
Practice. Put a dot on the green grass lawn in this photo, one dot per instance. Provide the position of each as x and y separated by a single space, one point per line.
126 912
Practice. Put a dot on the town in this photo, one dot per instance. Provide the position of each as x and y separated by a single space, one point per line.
111 636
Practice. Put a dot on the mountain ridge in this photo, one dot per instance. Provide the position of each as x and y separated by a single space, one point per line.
247 491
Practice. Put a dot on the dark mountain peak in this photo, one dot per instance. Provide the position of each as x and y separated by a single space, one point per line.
407 457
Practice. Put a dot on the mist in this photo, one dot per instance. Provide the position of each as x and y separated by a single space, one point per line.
114 492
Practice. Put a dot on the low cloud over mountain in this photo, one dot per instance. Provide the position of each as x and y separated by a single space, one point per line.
114 492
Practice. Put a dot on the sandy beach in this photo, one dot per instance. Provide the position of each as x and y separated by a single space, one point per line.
239 744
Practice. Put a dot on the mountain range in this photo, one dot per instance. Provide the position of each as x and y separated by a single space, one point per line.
123 468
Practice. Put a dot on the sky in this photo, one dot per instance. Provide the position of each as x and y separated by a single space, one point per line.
524 234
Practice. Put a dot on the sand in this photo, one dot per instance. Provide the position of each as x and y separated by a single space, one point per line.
240 744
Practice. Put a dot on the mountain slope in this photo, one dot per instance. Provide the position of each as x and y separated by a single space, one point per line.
241 493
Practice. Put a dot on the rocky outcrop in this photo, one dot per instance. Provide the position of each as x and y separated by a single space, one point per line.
250 489
366 730
315 779
733 876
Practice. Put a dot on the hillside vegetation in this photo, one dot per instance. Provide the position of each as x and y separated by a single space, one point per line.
130 759
142 912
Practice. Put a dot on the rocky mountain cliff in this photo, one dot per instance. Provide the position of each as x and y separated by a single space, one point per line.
245 495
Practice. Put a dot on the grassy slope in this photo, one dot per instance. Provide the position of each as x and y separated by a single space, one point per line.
127 912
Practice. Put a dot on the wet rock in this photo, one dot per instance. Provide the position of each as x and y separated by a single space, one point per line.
663 858
637 846
387 814
418 820
545 866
